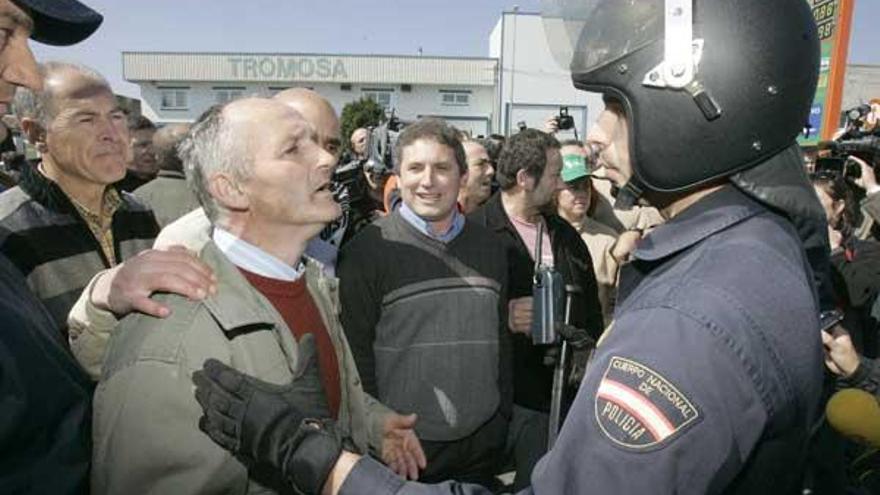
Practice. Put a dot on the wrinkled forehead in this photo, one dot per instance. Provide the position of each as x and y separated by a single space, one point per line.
69 88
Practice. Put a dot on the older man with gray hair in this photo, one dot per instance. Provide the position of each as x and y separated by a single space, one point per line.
65 222
263 180
168 194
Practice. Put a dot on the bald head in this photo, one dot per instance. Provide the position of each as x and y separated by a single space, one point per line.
229 139
165 142
359 141
61 82
317 111
251 118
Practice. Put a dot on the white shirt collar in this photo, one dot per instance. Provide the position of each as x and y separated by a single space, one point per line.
253 259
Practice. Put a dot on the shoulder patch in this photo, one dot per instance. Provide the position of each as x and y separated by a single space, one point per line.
638 408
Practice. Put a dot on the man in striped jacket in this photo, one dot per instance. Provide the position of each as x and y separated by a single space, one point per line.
65 221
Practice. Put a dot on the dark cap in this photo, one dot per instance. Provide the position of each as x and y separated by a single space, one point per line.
60 22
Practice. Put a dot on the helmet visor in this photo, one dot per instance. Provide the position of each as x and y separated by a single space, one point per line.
584 35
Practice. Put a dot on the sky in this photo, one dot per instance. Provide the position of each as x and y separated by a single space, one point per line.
398 27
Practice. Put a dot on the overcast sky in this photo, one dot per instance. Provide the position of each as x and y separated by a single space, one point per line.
438 27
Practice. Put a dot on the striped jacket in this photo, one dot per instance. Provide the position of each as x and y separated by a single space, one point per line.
43 234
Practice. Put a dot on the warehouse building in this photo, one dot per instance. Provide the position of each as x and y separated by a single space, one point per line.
518 82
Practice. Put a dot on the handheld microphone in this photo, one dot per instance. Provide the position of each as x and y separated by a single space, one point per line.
855 414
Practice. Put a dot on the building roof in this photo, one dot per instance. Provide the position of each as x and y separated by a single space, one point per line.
307 67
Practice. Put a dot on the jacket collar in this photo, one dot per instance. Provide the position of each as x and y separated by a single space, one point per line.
47 192
710 215
171 174
237 304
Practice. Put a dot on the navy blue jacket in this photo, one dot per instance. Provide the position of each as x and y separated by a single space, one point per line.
708 381
45 398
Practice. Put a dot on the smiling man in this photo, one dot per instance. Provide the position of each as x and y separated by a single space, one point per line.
422 294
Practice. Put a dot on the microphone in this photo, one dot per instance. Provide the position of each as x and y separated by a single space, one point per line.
855 414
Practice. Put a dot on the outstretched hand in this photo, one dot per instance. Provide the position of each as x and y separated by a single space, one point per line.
401 449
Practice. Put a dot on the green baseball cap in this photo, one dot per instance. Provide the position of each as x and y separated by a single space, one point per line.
574 167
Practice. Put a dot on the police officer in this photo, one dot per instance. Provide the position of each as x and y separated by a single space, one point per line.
709 379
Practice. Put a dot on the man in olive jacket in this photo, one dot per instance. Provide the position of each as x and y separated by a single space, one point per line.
264 201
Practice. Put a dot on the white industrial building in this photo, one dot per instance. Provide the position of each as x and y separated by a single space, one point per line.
518 82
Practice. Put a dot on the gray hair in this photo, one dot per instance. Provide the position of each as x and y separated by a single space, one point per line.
39 105
211 148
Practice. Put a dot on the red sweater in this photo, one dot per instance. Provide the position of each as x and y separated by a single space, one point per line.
293 301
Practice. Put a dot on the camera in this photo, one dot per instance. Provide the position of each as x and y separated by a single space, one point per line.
866 147
838 167
564 121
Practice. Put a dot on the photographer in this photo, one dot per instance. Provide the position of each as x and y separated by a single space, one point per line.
856 272
870 203
363 179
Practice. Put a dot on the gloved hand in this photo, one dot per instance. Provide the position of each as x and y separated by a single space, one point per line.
582 346
269 424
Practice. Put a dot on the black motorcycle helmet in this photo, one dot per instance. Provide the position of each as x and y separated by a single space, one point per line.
754 79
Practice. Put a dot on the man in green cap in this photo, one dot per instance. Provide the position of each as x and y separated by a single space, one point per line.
576 203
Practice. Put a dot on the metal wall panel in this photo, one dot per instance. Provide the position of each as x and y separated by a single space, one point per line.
316 68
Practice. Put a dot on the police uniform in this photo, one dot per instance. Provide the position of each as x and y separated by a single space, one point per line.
709 379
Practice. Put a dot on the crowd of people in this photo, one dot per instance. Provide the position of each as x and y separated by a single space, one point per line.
202 308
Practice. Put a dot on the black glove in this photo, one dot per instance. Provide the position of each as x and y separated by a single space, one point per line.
582 346
267 424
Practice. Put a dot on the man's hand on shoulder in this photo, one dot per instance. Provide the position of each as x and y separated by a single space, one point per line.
128 286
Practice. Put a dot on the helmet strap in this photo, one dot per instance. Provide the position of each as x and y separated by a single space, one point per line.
628 195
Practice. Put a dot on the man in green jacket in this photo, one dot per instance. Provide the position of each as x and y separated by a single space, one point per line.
274 315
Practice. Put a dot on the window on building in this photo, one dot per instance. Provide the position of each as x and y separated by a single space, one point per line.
174 98
274 90
381 96
451 98
223 95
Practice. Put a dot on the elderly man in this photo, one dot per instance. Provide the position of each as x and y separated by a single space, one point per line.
91 320
480 171
273 309
576 203
358 142
65 222
142 166
422 294
167 194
